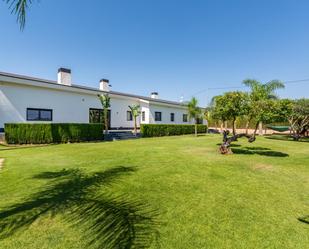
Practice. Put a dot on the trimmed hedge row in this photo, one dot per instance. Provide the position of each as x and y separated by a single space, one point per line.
22 133
158 130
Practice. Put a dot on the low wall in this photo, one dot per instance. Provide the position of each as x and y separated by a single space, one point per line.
250 131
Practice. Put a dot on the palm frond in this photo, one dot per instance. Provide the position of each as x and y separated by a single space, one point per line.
251 83
19 8
274 85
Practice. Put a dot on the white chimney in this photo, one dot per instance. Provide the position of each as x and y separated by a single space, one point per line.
64 76
154 95
104 85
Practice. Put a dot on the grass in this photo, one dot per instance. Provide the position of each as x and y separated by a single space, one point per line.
170 192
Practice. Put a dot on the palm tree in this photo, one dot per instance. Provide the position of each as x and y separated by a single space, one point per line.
260 93
194 112
135 110
19 7
105 102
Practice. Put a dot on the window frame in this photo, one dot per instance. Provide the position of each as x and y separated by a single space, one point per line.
143 116
129 116
39 117
185 120
160 115
172 117
101 115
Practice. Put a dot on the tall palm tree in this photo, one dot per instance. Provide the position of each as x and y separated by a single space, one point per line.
260 93
194 112
105 102
135 110
19 8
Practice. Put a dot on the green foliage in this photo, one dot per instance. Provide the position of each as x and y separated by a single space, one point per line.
262 100
135 109
299 116
194 111
106 103
51 133
158 130
230 105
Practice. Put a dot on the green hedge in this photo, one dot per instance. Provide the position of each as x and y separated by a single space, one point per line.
22 133
158 130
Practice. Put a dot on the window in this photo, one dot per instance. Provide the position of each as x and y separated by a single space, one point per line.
199 121
35 114
96 116
185 117
158 116
129 116
172 117
143 116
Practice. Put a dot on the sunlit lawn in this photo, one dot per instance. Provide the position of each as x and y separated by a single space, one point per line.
171 192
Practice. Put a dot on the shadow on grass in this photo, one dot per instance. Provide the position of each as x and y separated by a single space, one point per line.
259 151
304 219
231 145
5 147
106 221
287 138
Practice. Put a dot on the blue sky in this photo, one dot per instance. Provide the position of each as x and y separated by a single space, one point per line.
173 47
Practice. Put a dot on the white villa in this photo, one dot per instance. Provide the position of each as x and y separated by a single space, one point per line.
28 99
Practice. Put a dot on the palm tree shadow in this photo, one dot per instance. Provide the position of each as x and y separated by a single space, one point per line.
258 151
304 219
106 221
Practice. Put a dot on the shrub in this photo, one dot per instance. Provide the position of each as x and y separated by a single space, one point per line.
22 133
158 130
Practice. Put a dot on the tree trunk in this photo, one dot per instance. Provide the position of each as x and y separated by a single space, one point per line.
225 124
221 127
234 126
247 126
261 128
195 129
106 121
135 129
225 146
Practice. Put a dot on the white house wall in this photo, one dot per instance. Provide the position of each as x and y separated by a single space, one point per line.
68 107
71 105
166 112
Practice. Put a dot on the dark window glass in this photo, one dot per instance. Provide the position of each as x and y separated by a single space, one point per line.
129 116
158 116
172 117
199 121
45 115
185 117
96 116
143 116
34 114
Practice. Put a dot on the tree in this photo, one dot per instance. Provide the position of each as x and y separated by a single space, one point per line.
19 8
194 112
261 99
218 109
232 105
135 110
105 102
299 118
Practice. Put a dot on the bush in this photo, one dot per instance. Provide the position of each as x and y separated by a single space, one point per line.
22 133
158 130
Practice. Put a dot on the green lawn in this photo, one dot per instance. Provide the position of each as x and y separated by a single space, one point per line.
171 192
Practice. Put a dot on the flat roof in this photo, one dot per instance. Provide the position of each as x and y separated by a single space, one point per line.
52 82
